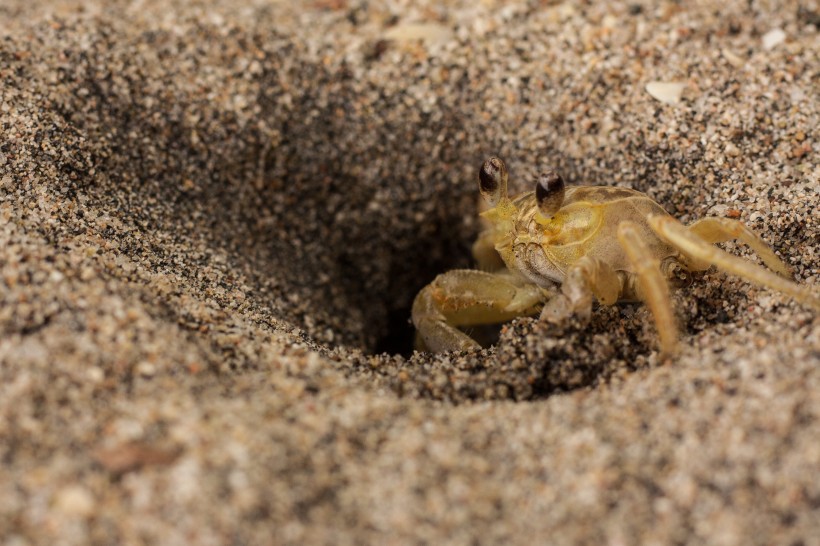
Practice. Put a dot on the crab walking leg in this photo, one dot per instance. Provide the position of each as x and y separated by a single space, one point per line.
718 230
652 286
677 235
467 297
586 278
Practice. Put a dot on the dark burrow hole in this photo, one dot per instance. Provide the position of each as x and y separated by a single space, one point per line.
400 335
366 296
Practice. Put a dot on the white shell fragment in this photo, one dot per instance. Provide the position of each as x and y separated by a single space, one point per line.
428 33
667 92
733 58
772 38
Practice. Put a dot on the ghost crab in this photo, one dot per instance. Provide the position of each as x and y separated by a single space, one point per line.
553 249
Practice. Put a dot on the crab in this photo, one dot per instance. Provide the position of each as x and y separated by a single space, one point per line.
555 250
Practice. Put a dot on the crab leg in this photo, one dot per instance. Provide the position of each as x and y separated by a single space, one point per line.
467 297
586 278
718 230
652 286
691 244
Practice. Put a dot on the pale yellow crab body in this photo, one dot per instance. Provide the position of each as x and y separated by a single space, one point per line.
543 253
557 249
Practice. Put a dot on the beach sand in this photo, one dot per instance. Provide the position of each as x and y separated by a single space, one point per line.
214 217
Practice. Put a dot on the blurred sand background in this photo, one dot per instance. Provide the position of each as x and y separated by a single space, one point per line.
214 216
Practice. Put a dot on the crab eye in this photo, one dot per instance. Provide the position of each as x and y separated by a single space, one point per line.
492 180
549 193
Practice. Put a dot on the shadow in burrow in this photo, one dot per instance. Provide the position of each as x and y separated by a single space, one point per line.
360 216
332 226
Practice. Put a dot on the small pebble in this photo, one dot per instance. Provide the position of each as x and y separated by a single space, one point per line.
773 38
428 33
75 500
146 369
733 58
666 92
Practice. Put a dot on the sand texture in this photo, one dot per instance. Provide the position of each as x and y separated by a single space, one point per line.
214 216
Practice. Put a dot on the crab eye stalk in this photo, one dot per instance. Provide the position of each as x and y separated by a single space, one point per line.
549 193
492 181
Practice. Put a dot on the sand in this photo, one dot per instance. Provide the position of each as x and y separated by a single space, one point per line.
214 216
